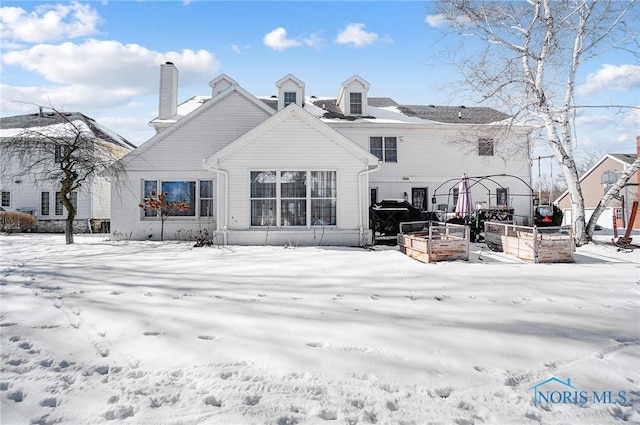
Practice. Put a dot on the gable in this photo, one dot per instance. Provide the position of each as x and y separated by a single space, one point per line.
294 134
208 129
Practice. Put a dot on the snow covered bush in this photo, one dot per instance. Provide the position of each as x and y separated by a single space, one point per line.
15 221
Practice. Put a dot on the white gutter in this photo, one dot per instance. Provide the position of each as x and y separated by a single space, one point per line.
225 215
360 212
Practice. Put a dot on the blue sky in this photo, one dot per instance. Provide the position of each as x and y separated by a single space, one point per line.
103 58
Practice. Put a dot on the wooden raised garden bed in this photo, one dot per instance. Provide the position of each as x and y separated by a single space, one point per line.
430 241
533 244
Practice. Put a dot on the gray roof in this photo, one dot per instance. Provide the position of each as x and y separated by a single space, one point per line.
624 157
443 114
454 114
51 118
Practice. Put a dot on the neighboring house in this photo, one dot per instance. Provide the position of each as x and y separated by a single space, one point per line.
298 169
22 193
595 182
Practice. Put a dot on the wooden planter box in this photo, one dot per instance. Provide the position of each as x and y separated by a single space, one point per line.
534 244
434 241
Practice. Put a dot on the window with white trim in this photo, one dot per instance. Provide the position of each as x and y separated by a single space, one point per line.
355 103
73 197
385 148
6 199
44 203
61 152
293 198
181 191
289 98
485 147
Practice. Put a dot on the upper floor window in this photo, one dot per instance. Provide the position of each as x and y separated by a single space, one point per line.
289 98
355 103
61 152
385 148
6 199
485 147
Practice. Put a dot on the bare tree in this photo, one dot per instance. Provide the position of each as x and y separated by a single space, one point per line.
158 203
65 151
533 50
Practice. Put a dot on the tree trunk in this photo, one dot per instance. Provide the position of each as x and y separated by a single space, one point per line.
611 193
65 193
68 230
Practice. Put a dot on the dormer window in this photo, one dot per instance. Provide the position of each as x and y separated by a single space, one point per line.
290 90
355 103
352 97
289 98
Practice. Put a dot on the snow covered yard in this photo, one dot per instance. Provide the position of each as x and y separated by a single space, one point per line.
164 333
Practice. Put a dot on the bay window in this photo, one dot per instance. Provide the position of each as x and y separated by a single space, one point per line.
293 198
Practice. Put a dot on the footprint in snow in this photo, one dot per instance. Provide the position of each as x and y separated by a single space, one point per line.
209 337
251 400
152 333
316 344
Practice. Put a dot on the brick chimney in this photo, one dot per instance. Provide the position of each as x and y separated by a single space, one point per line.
168 106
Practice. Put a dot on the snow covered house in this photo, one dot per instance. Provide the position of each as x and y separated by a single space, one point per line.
298 169
22 192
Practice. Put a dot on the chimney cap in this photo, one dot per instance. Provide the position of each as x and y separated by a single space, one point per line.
169 63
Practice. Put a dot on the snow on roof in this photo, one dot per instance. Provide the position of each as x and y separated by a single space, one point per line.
56 123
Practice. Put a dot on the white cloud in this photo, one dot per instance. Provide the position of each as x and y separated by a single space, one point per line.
48 23
97 74
109 64
354 34
314 40
611 78
437 21
277 40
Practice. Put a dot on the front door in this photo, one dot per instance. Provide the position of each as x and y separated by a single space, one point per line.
419 198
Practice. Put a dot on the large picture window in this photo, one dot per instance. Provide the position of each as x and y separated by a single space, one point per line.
385 148
182 191
263 198
293 198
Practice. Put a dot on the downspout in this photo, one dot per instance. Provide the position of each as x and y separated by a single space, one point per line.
219 172
360 212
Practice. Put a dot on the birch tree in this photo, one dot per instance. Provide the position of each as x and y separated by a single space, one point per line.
533 50
63 151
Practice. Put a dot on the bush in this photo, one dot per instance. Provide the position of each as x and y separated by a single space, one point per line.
14 221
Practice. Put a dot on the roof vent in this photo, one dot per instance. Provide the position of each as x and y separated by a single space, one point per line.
313 96
432 106
274 97
462 107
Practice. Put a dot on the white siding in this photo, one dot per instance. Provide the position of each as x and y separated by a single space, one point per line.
126 217
294 145
428 157
205 134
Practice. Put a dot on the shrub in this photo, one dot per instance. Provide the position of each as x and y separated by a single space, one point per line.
14 221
